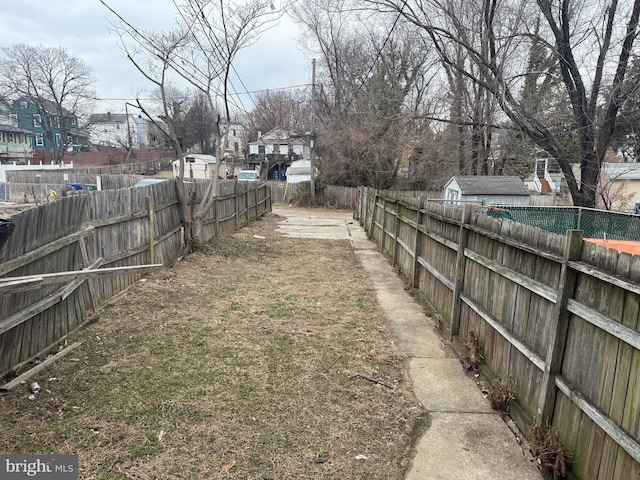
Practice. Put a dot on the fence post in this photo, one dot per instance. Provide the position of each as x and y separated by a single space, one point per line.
372 217
579 225
215 216
247 201
417 242
384 223
90 282
396 231
150 229
558 326
255 195
236 199
456 304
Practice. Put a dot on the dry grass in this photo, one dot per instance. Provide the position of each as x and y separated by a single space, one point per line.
500 395
223 367
549 449
472 361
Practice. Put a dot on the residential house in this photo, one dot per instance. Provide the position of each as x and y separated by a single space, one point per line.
197 165
620 187
150 136
547 176
235 152
15 142
279 148
486 190
122 129
48 125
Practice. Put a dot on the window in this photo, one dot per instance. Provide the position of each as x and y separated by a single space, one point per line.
23 104
37 120
12 138
276 148
14 119
73 121
290 150
261 149
39 140
56 122
236 147
234 132
57 139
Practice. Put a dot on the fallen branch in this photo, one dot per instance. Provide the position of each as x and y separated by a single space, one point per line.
357 375
332 364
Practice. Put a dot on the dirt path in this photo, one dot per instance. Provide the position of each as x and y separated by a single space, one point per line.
252 359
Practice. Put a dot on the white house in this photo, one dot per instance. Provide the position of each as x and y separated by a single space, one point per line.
197 165
280 142
487 190
236 141
15 142
121 129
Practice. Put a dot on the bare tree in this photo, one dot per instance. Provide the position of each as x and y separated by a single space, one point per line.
288 109
592 42
372 82
56 82
199 51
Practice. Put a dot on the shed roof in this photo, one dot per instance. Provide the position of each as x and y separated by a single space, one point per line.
490 185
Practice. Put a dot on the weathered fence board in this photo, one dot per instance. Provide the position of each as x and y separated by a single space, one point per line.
556 314
114 229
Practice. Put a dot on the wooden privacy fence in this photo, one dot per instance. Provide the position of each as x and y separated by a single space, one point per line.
79 251
554 313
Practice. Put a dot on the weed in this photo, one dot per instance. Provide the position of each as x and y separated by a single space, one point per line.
549 450
500 395
472 361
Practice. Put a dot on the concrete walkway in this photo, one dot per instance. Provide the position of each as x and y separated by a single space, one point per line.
466 439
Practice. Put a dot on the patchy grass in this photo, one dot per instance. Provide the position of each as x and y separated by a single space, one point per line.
218 368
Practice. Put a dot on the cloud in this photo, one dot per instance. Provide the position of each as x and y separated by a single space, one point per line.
83 28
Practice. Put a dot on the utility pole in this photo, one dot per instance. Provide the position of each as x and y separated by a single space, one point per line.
129 140
313 133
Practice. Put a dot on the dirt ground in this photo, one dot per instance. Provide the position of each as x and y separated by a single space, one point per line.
262 357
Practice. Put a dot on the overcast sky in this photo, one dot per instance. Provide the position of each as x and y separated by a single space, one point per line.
82 27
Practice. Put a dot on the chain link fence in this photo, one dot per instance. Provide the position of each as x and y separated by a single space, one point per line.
600 224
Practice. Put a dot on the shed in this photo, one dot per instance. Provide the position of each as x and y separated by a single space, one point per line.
487 190
299 171
197 165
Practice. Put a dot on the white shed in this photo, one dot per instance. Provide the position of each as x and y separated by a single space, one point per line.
299 171
197 165
487 190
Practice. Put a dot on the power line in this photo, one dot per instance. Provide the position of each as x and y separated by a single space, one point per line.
246 92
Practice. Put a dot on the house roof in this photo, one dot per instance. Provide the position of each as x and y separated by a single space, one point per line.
490 185
108 118
47 105
622 171
12 129
280 136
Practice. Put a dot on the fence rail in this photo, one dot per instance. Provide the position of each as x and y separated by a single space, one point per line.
556 314
113 229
